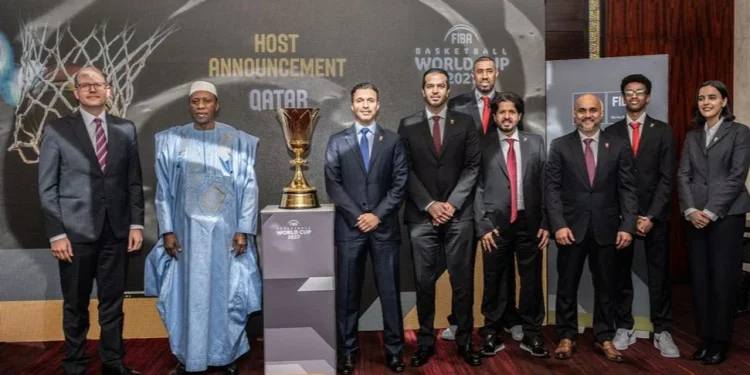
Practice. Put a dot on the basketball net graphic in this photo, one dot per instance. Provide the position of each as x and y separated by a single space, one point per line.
49 61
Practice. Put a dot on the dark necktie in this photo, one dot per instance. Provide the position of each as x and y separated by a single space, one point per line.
512 175
101 144
485 114
364 147
636 135
590 162
436 133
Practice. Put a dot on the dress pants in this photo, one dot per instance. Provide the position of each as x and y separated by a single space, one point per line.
351 257
455 239
521 241
106 262
656 244
603 265
716 268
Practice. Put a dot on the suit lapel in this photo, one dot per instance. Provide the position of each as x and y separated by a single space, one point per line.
473 108
525 150
351 138
423 128
576 148
497 151
115 143
601 157
449 130
647 135
79 128
720 133
377 145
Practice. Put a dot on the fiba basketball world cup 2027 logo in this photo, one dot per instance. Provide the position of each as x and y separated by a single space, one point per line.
456 53
293 230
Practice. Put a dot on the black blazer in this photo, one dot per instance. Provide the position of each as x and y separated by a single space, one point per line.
492 200
610 204
447 177
75 194
654 166
713 178
354 192
466 103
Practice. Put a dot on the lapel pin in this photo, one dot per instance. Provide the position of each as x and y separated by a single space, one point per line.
652 125
524 139
716 139
381 138
606 145
453 121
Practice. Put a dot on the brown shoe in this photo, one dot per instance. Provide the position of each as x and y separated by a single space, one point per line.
609 351
565 349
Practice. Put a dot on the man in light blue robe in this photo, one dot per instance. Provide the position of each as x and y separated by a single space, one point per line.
204 268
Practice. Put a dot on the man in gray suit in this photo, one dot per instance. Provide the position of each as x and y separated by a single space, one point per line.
511 219
92 202
366 175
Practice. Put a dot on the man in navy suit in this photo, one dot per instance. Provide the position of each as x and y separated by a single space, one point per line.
366 175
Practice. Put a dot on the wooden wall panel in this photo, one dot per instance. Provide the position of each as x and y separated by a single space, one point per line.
566 29
698 36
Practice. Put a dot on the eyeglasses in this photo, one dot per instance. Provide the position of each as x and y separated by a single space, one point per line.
639 92
88 86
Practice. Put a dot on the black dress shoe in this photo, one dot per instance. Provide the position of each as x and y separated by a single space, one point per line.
700 354
395 362
491 344
715 354
535 346
346 364
422 355
118 370
230 369
180 369
469 356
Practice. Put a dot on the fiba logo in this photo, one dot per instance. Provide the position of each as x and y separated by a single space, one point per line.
293 230
461 34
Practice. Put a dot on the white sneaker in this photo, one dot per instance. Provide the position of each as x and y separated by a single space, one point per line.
664 342
449 333
516 332
624 338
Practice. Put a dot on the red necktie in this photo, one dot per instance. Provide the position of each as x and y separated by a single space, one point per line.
436 133
101 144
590 162
511 161
485 114
636 135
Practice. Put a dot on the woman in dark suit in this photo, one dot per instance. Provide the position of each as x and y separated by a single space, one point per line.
714 200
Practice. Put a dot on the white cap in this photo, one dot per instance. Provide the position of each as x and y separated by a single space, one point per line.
202 86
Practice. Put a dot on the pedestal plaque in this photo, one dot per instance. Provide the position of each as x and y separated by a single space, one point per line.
299 305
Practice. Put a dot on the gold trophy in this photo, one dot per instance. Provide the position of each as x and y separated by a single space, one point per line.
298 125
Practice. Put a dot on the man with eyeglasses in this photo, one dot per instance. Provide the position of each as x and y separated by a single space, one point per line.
92 203
654 154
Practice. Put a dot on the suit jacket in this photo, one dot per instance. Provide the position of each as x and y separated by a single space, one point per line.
446 177
713 177
610 204
75 194
355 192
654 166
466 103
492 201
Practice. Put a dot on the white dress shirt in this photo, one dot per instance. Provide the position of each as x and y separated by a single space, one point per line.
641 119
519 164
480 103
594 145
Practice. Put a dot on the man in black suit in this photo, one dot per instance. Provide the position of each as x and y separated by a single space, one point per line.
510 219
366 175
442 149
592 205
653 150
476 103
92 202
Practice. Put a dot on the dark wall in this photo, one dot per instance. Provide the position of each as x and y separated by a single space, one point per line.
566 34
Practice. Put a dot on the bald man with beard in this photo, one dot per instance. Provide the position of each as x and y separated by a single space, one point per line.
592 211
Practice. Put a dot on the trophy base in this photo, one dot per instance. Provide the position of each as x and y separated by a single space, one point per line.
295 201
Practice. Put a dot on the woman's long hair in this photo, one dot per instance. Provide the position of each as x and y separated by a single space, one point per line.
726 112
